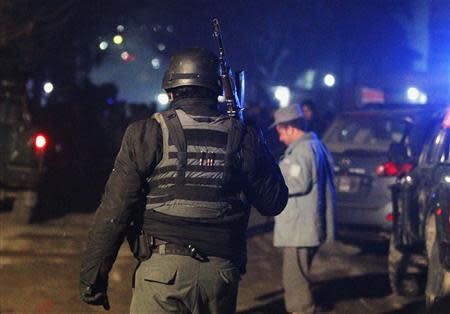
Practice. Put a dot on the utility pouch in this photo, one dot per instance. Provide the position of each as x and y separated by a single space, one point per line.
406 218
140 245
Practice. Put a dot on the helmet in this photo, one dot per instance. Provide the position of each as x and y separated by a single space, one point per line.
193 67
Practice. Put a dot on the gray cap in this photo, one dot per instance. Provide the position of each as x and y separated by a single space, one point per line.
289 113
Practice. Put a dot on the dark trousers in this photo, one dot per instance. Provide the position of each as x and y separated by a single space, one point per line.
182 284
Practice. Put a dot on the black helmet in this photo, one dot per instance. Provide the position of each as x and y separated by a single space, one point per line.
193 66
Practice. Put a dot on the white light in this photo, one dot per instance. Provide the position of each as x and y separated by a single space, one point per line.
156 63
423 98
161 47
329 80
103 45
120 28
169 28
163 99
413 94
48 87
124 55
447 179
283 95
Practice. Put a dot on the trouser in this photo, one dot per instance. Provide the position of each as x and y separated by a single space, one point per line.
297 291
182 284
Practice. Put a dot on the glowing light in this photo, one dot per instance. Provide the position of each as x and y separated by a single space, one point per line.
120 28
169 28
161 47
163 99
283 95
125 55
103 45
447 179
40 141
156 63
329 80
157 28
48 87
118 39
413 93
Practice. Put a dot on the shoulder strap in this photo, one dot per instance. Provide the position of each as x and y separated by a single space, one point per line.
177 135
233 144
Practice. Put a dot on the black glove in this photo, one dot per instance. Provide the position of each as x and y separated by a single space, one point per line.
93 296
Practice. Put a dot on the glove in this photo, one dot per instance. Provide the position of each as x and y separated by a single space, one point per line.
93 297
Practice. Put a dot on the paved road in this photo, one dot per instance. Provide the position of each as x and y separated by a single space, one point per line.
39 267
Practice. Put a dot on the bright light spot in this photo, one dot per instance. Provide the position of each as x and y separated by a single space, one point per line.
447 179
103 45
157 28
118 40
125 55
48 87
413 94
40 141
329 80
156 63
283 95
120 28
169 28
423 98
163 99
161 47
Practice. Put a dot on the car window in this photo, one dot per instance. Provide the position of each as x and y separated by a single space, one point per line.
364 131
436 149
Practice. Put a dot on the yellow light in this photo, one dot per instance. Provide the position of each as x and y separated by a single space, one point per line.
118 40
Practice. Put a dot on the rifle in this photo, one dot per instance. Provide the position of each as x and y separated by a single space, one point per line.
233 87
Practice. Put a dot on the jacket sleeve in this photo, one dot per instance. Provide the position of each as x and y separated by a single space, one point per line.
264 186
299 172
122 197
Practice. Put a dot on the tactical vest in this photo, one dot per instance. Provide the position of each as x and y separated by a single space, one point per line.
195 177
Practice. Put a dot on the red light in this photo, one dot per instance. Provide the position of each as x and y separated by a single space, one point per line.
439 211
40 141
391 169
390 217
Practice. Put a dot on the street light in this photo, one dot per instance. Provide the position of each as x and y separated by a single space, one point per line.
103 45
48 87
283 95
329 80
163 99
118 39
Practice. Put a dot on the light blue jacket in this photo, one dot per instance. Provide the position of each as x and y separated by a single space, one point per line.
308 219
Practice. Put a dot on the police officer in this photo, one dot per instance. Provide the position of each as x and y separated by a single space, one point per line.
198 171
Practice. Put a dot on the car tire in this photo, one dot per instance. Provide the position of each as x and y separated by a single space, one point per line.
23 207
438 279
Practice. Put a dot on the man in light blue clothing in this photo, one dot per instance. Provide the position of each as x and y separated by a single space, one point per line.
308 219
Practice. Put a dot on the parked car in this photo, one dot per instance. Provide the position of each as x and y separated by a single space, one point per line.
23 148
360 143
421 200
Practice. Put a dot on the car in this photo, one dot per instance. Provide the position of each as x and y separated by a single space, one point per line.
360 142
421 209
23 148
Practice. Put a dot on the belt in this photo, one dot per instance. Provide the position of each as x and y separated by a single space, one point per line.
165 248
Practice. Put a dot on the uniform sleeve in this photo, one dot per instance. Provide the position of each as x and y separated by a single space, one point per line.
123 196
264 188
299 172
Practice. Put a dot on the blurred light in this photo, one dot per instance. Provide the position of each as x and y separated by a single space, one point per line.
447 179
169 28
118 40
161 47
125 55
157 28
120 28
40 141
413 94
156 63
48 87
283 95
329 80
423 98
163 99
103 45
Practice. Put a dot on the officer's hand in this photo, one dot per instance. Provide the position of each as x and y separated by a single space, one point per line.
89 296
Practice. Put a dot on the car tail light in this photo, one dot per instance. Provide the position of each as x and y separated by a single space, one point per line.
40 142
390 217
392 169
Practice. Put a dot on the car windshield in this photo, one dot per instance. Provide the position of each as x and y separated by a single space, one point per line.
370 132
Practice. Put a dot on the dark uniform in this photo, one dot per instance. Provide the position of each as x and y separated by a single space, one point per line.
196 170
